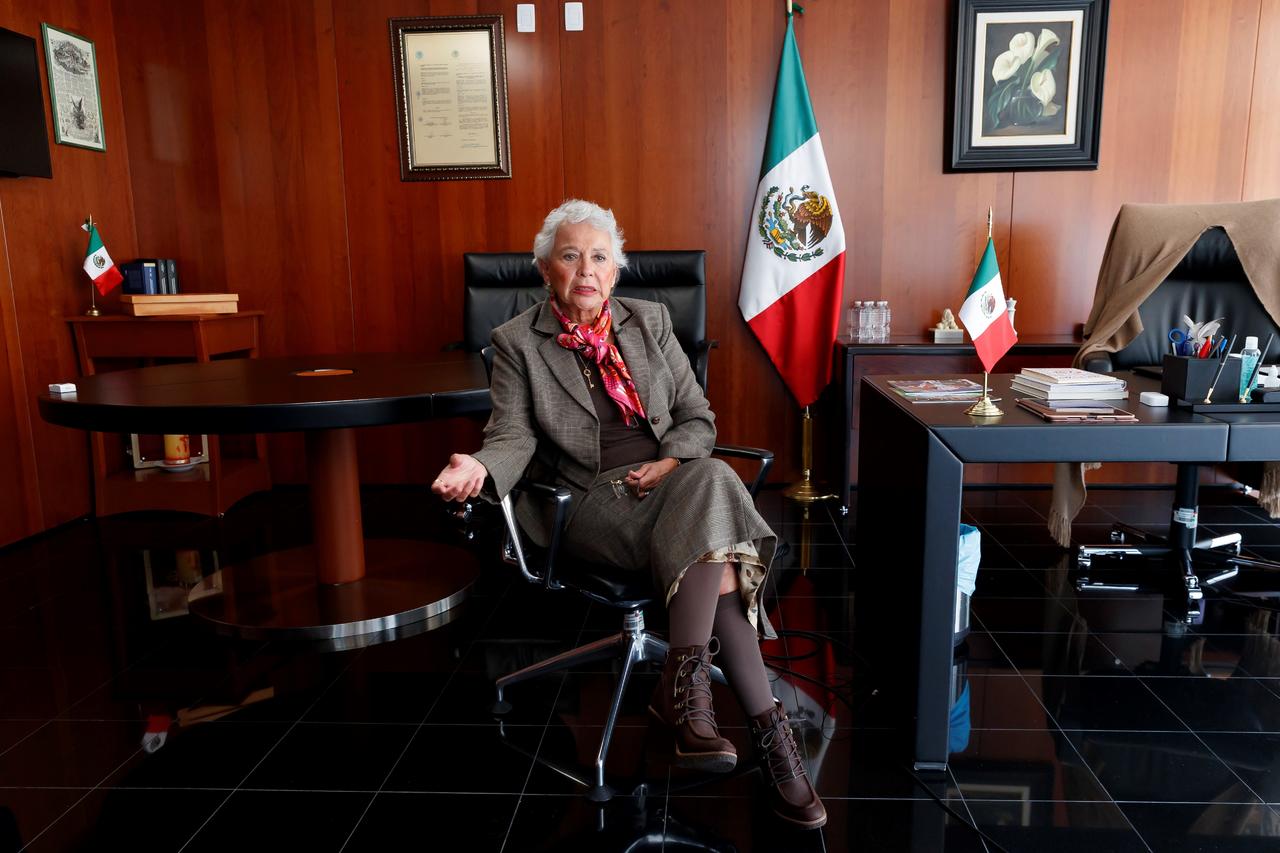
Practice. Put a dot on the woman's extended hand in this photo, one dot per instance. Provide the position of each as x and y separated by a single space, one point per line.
647 477
461 479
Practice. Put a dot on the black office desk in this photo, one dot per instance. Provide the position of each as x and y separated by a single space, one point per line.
916 353
1253 438
911 464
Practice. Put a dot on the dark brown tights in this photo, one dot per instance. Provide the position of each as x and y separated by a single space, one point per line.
697 609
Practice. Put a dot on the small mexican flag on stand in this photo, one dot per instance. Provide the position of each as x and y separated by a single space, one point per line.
984 313
98 264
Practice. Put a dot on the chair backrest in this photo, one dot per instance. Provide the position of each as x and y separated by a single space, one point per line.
1206 284
499 285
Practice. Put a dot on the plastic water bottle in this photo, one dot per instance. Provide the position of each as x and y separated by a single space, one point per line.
1249 357
884 319
855 320
864 321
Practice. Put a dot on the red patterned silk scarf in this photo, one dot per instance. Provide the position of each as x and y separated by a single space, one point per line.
593 343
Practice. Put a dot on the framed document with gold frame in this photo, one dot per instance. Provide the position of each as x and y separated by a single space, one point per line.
451 97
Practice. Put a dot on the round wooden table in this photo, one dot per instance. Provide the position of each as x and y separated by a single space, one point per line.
341 585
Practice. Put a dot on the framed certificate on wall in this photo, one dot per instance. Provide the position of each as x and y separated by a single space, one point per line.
72 64
451 97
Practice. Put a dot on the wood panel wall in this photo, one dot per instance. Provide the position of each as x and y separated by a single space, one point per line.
45 479
259 150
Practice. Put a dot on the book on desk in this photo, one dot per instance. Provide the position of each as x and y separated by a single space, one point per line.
1068 383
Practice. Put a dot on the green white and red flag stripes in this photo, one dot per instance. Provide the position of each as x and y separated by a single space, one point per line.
793 275
98 264
984 313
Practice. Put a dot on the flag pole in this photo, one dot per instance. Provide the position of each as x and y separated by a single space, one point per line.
93 296
804 491
986 407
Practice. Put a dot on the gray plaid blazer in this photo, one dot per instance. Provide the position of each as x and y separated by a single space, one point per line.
543 422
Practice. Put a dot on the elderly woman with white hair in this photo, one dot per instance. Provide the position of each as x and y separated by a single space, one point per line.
594 393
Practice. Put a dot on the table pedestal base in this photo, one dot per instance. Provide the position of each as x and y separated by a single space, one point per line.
276 596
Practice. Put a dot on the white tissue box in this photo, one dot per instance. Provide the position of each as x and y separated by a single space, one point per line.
62 388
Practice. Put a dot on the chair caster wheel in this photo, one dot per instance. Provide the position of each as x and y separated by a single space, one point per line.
600 793
1117 536
500 707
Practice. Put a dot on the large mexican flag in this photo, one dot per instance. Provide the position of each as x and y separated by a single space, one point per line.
793 276
984 313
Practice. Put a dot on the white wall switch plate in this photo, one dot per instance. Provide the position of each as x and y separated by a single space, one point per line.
524 17
573 17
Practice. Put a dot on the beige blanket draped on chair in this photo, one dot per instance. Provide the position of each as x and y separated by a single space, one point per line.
1147 241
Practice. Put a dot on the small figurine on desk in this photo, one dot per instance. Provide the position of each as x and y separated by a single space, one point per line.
948 331
1011 305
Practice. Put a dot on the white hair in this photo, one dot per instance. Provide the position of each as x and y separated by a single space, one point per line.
573 212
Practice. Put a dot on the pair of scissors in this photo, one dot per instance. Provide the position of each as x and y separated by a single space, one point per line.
1179 341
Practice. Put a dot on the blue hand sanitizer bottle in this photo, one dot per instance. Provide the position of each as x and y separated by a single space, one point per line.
1248 362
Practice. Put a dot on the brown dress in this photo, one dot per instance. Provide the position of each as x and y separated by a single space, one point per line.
702 505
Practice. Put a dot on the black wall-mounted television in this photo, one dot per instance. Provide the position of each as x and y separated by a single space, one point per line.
24 141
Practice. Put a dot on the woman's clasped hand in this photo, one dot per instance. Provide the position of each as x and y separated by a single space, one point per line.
646 477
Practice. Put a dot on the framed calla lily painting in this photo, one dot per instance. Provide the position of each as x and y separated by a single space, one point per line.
1026 78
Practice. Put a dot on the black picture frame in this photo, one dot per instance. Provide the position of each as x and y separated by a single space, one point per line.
1060 131
450 78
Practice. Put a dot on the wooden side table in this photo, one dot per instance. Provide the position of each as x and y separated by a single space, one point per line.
237 464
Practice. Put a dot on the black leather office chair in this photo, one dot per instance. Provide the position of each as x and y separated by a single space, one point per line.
500 286
1208 283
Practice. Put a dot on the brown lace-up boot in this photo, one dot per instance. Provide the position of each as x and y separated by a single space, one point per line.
790 793
682 700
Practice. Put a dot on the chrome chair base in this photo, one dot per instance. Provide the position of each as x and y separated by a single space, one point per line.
632 646
1207 563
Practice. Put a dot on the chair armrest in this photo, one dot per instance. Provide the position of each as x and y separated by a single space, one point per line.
1099 362
514 549
701 358
764 457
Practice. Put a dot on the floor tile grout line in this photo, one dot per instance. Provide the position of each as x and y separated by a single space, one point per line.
58 717
1202 741
84 797
537 750
273 748
1083 762
666 809
418 728
964 801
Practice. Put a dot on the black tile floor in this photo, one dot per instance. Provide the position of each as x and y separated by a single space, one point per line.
1095 723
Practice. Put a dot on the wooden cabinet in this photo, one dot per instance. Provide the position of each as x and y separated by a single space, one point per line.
237 465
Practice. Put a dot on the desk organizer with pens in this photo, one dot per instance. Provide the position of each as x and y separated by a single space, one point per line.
1187 380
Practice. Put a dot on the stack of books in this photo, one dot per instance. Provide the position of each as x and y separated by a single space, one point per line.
1068 383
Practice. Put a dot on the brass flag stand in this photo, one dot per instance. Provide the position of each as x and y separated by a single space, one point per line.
93 288
986 407
804 492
